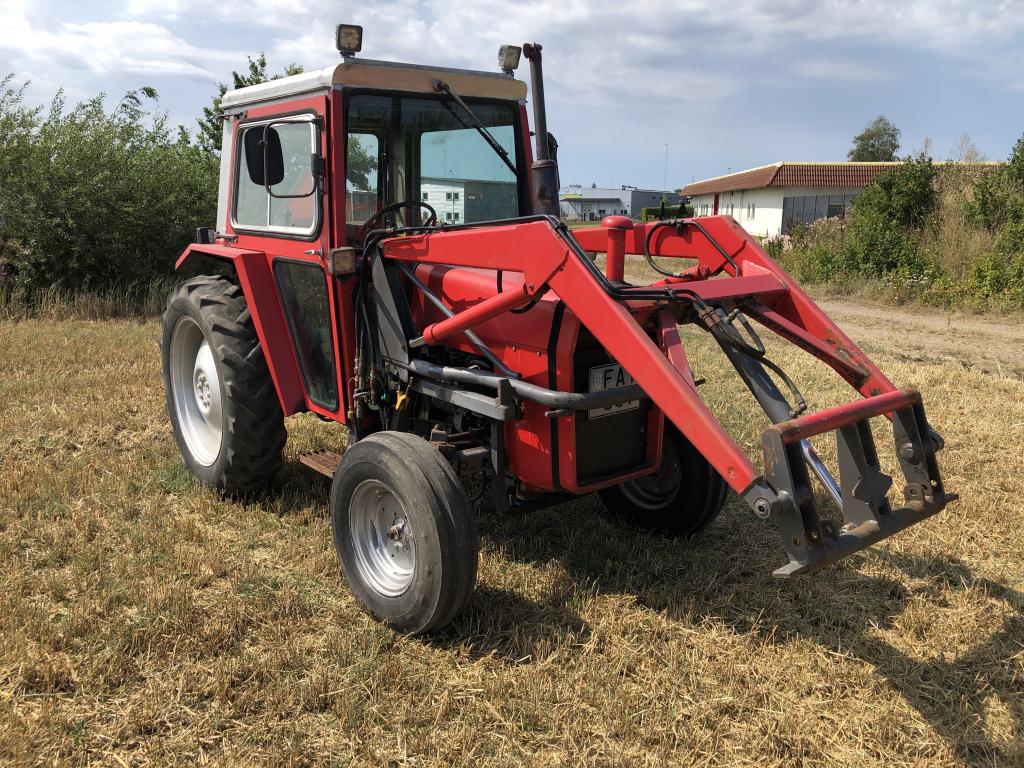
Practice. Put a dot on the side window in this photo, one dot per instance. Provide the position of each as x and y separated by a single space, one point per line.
303 288
361 162
275 188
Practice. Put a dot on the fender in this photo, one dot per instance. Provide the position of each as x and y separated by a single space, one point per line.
257 282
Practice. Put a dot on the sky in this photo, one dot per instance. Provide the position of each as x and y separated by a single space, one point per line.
725 85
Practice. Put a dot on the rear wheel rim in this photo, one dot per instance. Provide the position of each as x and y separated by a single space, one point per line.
196 391
657 491
382 538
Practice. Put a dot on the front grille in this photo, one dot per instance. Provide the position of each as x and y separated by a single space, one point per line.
606 446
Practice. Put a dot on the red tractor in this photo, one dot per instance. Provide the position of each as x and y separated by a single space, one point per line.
392 259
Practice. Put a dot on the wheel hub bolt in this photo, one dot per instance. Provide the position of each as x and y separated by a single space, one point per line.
203 390
395 531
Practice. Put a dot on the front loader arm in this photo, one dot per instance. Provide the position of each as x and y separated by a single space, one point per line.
550 258
719 245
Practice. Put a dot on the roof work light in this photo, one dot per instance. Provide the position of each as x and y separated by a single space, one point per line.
349 39
508 58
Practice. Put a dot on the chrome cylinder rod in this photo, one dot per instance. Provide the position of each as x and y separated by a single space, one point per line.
816 464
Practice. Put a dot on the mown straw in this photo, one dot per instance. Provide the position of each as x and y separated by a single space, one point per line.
145 621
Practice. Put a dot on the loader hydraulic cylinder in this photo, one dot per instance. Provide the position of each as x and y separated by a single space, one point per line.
615 259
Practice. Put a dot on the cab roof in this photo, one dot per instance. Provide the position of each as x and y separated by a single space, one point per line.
386 75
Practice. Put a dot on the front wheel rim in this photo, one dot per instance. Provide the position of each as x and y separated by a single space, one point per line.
655 492
196 391
382 538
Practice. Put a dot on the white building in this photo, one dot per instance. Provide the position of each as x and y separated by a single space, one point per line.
446 196
580 203
770 200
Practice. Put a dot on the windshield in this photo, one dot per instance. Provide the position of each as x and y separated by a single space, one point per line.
426 149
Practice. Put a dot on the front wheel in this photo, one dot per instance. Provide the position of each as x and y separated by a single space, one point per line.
681 498
403 531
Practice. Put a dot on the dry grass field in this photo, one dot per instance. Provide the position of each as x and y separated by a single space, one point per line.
145 621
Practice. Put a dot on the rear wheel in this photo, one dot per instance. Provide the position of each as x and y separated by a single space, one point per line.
224 410
681 498
403 531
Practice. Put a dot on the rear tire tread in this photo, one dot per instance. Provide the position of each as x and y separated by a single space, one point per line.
254 434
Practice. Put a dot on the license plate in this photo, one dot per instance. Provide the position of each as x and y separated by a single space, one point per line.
610 377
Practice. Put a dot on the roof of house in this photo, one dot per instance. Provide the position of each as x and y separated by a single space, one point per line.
789 174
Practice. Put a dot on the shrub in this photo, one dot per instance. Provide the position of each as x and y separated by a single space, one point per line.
903 196
879 239
998 200
658 212
814 253
94 199
875 246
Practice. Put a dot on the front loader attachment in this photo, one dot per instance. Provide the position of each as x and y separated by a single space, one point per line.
637 325
862 491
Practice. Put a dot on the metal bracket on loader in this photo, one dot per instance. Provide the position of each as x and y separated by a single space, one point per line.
813 543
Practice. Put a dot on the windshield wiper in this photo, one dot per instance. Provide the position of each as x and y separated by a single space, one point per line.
443 87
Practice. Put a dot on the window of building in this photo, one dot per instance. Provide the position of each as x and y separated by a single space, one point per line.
456 215
455 195
424 198
751 210
804 209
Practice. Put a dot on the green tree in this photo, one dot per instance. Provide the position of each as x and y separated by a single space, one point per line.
878 142
211 123
883 231
903 196
999 195
93 198
360 164
1015 163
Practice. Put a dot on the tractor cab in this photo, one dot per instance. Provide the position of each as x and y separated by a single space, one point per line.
312 163
320 155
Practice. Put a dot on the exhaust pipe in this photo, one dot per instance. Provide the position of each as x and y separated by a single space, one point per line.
544 171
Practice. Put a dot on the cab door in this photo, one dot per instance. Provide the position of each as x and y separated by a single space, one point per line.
280 207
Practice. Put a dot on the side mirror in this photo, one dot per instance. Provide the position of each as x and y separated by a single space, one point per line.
264 157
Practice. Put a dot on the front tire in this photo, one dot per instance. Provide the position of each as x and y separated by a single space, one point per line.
682 498
403 531
224 410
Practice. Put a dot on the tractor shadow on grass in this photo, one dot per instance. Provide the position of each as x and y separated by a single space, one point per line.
498 622
724 576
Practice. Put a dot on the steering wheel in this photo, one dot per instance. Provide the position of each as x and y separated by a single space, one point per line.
374 221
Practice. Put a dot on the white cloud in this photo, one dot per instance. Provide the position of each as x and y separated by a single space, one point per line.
105 47
621 76
841 69
596 48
